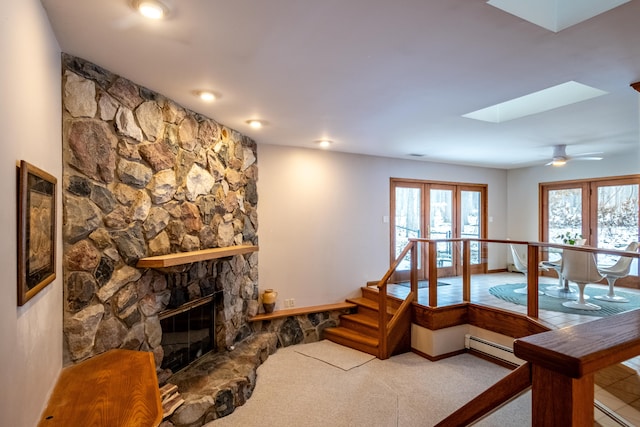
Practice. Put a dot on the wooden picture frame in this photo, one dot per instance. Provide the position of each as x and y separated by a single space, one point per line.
36 231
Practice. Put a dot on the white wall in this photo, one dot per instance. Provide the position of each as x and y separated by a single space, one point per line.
31 335
522 192
321 229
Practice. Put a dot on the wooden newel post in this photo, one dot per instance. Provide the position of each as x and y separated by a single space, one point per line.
382 322
560 400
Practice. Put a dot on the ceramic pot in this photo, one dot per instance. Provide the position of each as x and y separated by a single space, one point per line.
269 300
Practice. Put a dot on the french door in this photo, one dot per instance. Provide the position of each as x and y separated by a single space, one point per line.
437 210
604 212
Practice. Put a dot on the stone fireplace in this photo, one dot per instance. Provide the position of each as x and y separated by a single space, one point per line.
143 176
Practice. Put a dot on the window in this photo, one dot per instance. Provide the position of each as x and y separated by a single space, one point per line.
604 212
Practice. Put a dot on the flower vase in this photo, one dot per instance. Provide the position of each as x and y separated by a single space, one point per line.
269 300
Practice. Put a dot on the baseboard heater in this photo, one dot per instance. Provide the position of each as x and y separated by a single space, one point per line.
491 349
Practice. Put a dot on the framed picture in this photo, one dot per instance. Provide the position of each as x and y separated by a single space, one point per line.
36 231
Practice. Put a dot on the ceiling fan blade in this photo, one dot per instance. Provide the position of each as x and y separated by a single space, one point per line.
593 153
585 158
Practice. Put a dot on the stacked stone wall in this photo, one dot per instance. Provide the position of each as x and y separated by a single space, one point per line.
143 176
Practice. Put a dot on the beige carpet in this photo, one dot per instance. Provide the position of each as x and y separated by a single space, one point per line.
334 354
406 390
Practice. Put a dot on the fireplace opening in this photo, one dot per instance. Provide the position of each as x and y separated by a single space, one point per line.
188 332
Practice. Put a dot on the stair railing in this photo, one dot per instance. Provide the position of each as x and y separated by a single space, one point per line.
561 364
560 369
390 331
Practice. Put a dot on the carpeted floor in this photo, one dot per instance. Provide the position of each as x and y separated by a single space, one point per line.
334 354
406 390
505 292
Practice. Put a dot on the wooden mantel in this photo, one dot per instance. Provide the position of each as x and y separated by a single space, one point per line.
181 258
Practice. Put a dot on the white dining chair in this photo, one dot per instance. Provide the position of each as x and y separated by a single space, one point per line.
521 265
562 290
580 267
617 271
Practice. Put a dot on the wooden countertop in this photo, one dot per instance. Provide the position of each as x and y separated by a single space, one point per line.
118 388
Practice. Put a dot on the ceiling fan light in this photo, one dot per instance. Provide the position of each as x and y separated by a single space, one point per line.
559 161
152 9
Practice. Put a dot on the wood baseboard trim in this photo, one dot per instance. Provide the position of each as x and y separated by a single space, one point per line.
439 357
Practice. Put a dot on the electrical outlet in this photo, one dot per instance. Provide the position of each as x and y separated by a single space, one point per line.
292 303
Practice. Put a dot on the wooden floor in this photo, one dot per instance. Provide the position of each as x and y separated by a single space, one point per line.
619 386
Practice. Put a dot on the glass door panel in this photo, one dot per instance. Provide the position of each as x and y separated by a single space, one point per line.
564 214
470 220
618 222
441 224
407 223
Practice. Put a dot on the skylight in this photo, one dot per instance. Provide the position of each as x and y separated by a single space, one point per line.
537 102
556 15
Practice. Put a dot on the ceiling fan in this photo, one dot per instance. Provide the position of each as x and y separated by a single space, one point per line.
560 157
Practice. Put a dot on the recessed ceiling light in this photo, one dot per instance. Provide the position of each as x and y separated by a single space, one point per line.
544 100
256 124
152 9
207 95
324 143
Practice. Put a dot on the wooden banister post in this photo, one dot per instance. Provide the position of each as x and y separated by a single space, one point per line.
414 267
433 274
466 270
532 281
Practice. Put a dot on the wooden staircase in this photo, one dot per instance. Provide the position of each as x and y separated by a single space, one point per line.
359 330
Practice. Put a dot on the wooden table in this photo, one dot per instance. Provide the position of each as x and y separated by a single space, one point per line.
118 388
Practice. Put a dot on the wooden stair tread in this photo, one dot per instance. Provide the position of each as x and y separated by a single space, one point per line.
372 305
360 329
352 336
361 319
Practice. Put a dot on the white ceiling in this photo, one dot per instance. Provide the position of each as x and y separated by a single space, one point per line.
379 77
